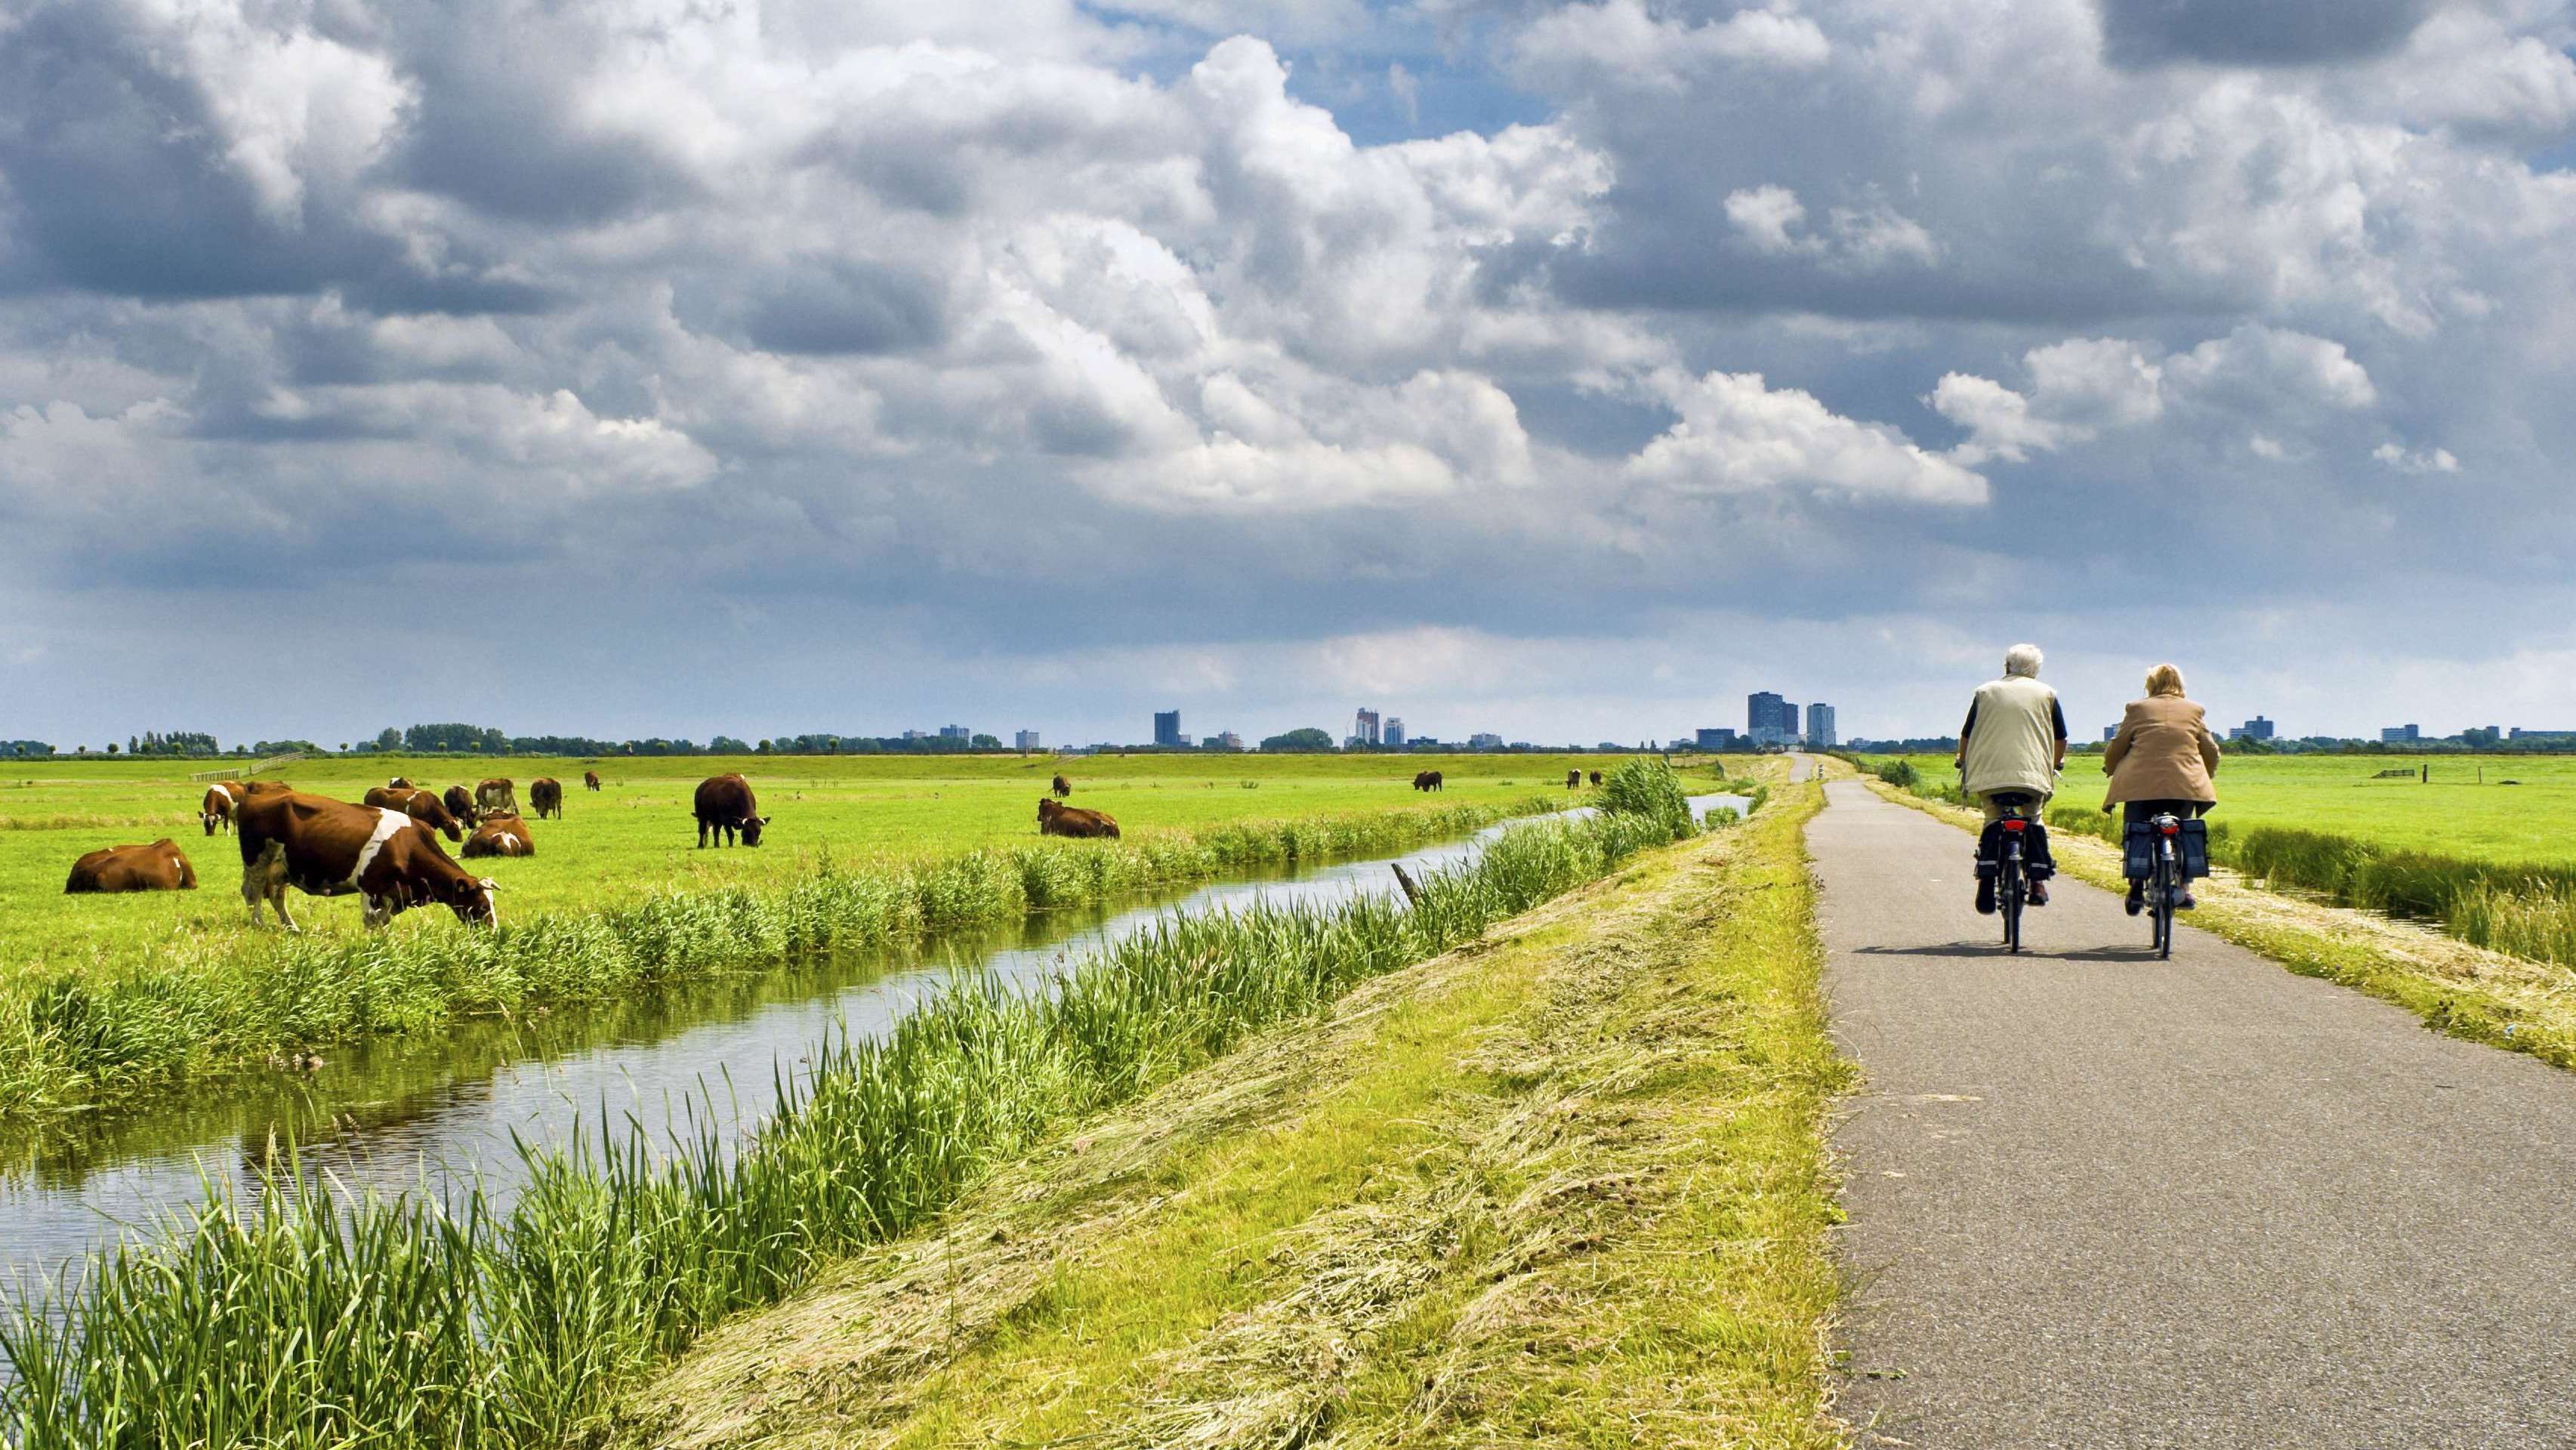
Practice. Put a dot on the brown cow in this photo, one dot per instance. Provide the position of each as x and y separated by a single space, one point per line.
545 797
496 791
460 804
1055 819
160 866
400 782
421 805
725 805
324 847
1063 787
501 835
590 780
217 808
1596 777
1426 780
1573 778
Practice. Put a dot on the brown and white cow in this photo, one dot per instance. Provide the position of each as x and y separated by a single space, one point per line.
501 836
421 805
1426 780
217 808
496 791
545 797
460 804
324 847
1056 819
400 782
1573 778
590 780
1063 787
725 805
161 866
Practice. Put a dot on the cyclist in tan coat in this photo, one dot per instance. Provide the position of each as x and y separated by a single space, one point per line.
2013 744
2161 762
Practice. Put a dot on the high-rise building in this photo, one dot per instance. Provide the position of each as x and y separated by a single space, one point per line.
1366 731
1484 740
2257 728
1394 732
2110 733
1026 740
1820 727
1716 739
1227 740
1167 727
955 732
1769 719
2402 734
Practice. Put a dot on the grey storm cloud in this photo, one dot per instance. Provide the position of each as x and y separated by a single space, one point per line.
1018 349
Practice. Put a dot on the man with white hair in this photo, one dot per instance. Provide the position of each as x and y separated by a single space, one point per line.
2013 745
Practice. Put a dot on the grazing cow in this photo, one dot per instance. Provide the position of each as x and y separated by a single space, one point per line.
545 797
460 804
1055 819
725 805
160 866
1426 780
497 791
422 806
1573 778
501 836
1596 777
217 808
1063 787
400 782
324 847
590 780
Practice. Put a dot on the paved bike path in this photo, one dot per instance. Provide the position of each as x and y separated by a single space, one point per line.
2101 1200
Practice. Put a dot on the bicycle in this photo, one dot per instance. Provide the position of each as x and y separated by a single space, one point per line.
2165 879
2012 876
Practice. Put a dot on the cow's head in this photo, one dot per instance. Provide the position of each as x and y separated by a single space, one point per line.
1047 807
751 829
470 897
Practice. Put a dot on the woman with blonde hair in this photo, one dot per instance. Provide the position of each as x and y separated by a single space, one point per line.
2160 762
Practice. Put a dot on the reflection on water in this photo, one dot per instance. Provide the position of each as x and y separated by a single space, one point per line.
399 1114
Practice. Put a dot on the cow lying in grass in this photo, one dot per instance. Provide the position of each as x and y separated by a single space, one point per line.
161 866
1055 819
324 847
501 834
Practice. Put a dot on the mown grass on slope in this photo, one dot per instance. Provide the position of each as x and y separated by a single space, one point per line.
199 1007
304 1321
1566 1187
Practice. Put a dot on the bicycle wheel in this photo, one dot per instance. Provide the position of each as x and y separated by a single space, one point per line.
2164 905
2008 893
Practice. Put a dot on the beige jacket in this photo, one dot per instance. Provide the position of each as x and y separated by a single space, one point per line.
2010 739
2164 752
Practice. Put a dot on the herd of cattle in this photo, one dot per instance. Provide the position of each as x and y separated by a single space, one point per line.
384 850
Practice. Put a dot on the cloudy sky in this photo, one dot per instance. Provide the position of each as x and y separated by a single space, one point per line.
756 366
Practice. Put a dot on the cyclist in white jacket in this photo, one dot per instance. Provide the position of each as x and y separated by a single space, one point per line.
2013 743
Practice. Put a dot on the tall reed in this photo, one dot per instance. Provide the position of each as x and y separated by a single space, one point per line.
306 1318
201 1007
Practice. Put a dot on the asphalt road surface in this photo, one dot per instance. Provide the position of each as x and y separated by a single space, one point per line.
2101 1200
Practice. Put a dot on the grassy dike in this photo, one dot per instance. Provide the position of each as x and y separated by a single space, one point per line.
200 1007
2466 990
1563 1185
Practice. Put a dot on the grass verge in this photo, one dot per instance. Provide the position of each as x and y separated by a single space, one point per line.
305 1320
2457 987
1564 1185
72 1039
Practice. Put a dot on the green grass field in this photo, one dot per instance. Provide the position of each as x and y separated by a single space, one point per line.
2457 814
636 838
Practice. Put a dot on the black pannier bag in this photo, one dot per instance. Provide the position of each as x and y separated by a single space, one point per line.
2191 849
2036 862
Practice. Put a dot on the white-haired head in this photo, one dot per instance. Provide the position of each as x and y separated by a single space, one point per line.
2023 660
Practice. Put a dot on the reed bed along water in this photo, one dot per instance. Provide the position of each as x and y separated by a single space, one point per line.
194 1007
306 1319
2528 910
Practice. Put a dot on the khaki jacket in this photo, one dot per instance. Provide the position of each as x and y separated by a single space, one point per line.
2164 752
2012 738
